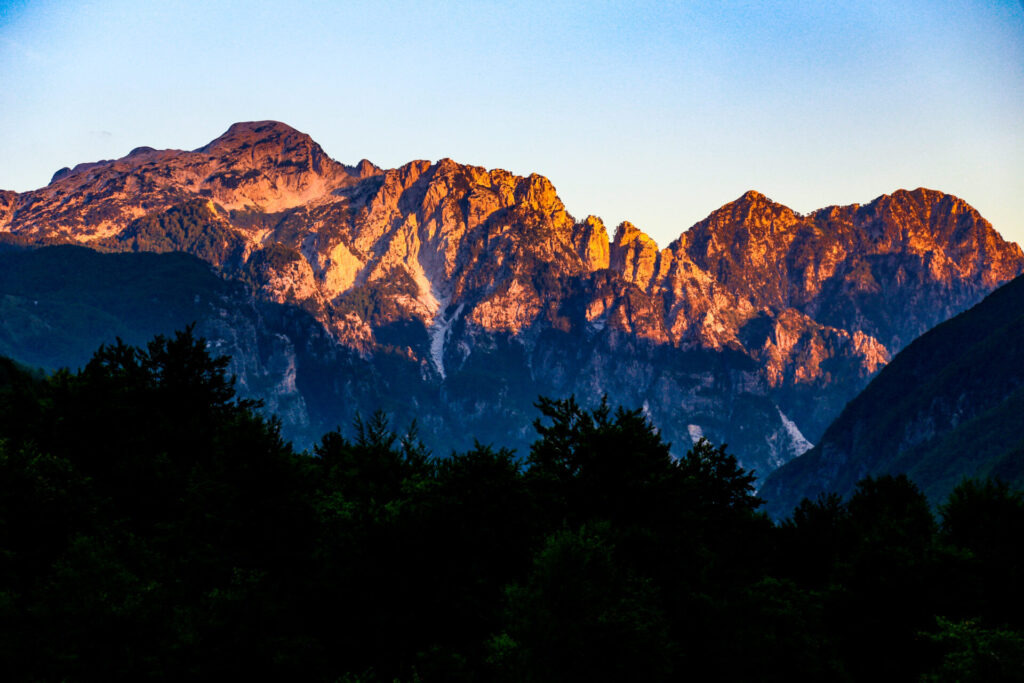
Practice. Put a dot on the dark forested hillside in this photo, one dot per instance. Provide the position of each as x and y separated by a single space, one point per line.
948 406
60 303
154 527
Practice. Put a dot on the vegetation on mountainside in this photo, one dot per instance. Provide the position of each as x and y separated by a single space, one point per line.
193 227
154 527
374 302
58 304
952 404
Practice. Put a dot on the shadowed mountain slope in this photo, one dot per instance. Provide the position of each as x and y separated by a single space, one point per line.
948 406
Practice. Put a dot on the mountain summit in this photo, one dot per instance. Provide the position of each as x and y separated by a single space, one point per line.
754 327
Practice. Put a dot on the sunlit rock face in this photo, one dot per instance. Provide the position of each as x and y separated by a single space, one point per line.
754 327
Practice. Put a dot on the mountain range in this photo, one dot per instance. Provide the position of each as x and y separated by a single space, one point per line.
456 295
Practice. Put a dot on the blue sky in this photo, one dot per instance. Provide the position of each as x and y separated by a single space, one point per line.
656 112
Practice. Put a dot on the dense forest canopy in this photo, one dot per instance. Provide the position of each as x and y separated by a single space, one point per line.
153 526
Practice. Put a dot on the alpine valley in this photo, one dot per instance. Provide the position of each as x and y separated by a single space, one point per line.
456 295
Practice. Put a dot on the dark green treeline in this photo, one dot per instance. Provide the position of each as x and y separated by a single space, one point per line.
155 527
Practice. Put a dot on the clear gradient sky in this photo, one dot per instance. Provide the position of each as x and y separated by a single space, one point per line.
654 112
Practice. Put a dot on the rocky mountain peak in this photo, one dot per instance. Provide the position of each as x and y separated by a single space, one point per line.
591 240
634 254
946 233
60 174
744 245
750 214
364 169
750 198
140 150
628 236
271 145
539 194
903 212
252 133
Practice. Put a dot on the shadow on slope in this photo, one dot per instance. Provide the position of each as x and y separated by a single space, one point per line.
947 407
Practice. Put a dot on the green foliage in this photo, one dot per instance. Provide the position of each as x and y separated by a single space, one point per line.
984 520
717 479
888 573
193 227
146 487
816 538
275 256
583 616
972 654
374 302
153 527
583 456
983 515
892 513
